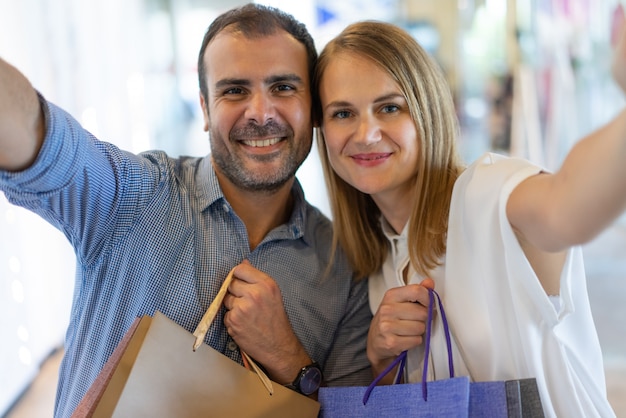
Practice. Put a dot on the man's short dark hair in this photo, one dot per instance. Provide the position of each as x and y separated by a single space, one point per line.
255 20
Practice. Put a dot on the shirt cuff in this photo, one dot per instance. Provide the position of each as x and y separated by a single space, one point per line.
55 161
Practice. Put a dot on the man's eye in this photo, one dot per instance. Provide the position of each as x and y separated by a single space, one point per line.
284 87
234 90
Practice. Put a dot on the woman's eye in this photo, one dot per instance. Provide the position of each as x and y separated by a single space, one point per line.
390 108
341 114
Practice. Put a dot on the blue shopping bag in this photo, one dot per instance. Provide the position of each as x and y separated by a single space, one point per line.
453 397
446 398
510 398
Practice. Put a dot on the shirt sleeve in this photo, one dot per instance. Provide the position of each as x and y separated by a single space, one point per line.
347 363
55 163
81 185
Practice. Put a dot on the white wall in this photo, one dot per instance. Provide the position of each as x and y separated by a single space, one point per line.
78 54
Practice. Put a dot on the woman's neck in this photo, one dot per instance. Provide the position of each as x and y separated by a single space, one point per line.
396 208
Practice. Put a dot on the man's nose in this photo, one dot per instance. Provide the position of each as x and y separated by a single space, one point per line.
261 108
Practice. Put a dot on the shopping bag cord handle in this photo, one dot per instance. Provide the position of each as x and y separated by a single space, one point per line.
401 359
446 330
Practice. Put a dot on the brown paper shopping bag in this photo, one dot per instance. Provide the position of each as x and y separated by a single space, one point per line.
156 373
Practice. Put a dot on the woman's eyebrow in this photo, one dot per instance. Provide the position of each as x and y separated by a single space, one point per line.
389 96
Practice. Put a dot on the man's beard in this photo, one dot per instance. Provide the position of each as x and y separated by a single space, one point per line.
233 164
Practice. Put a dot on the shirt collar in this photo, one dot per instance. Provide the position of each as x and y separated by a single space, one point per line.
399 250
209 192
389 232
208 189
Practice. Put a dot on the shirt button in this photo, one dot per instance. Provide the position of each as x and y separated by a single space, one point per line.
232 346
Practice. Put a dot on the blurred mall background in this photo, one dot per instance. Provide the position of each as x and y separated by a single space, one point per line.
529 78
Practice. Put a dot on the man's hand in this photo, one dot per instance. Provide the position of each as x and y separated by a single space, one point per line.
257 321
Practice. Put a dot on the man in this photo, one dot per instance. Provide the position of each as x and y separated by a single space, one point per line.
156 233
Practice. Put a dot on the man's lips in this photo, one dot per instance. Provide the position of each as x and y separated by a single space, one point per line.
257 143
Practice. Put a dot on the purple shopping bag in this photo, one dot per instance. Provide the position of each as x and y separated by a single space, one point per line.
453 397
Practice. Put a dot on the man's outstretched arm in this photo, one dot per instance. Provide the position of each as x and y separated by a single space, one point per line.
22 126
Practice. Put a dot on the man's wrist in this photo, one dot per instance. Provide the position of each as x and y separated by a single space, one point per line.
308 380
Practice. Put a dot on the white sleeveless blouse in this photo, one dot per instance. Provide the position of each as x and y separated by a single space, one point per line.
503 324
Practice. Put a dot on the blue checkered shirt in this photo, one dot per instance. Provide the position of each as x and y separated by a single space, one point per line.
156 233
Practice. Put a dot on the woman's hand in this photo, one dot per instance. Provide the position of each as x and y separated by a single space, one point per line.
398 325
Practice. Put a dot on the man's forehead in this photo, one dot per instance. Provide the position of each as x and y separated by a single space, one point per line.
249 32
233 54
233 34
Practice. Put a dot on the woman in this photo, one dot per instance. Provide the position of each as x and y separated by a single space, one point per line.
497 240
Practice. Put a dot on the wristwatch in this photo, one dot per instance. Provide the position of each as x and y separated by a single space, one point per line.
308 380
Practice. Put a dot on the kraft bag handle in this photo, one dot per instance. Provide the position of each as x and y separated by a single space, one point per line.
207 320
401 359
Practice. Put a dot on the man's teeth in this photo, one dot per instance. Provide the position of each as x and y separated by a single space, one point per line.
262 142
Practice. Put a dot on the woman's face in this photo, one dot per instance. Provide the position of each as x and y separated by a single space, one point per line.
369 133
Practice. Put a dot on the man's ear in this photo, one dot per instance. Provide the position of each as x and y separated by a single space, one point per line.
205 112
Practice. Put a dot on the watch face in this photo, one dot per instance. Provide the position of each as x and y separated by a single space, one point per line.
311 380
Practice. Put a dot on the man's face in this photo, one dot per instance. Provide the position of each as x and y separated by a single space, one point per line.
258 110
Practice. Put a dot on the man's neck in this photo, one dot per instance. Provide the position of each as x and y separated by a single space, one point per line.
260 211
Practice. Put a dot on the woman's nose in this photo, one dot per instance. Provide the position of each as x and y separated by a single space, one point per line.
368 131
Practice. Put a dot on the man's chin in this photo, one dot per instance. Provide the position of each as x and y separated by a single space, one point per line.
266 187
262 179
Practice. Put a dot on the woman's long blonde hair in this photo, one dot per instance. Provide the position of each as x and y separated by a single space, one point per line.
356 218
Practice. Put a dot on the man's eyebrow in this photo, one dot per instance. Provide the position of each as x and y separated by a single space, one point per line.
294 78
232 82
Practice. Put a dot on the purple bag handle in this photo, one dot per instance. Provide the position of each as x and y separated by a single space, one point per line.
401 359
